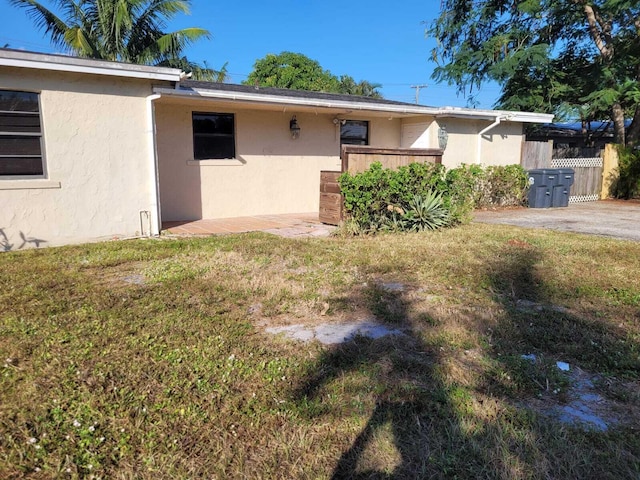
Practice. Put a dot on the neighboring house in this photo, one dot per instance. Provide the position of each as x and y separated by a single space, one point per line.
575 135
92 149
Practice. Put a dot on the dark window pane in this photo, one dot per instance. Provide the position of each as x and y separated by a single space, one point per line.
213 136
210 146
18 101
355 132
10 145
19 122
212 123
21 166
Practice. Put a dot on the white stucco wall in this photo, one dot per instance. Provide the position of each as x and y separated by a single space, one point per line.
272 173
499 146
96 159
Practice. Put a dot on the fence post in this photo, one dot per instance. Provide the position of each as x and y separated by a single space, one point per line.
609 169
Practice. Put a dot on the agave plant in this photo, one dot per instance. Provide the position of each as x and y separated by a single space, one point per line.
426 212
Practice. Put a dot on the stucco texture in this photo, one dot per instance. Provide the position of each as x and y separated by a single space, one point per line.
499 146
271 174
95 147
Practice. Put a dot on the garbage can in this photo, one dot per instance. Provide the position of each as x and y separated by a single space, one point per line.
541 183
562 189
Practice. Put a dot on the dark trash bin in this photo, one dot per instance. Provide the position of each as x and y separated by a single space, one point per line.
550 187
562 190
541 182
566 176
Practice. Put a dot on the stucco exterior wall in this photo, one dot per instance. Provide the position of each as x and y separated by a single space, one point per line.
271 174
499 146
96 158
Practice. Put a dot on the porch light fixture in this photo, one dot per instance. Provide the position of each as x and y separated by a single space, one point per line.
443 137
294 127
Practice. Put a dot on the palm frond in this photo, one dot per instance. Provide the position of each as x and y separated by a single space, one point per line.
45 19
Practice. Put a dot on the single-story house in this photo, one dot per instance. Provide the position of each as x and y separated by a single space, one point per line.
92 149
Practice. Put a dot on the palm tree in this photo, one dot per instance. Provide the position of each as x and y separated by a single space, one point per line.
119 30
364 88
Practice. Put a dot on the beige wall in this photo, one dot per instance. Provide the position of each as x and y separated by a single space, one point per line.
96 158
272 172
499 146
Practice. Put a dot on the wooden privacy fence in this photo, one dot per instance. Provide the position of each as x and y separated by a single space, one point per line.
536 155
357 159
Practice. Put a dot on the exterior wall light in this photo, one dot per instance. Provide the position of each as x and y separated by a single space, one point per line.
294 127
443 137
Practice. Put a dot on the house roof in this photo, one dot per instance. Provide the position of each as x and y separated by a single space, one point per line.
65 63
332 101
251 95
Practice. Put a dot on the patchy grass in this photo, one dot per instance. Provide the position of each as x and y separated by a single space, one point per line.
148 359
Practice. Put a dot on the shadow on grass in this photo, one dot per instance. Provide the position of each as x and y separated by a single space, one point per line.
436 427
414 409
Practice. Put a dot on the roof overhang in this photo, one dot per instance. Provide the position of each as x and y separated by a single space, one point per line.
63 63
331 105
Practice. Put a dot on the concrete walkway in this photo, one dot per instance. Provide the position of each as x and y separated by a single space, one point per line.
289 225
609 218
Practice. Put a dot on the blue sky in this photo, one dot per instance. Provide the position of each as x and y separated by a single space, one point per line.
382 42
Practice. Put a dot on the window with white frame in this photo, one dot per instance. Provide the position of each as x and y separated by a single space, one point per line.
213 135
20 135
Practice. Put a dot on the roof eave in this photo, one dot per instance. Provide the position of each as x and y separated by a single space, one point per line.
294 101
444 112
61 63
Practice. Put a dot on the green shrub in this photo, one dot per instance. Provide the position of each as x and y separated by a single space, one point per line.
627 184
506 185
464 185
368 194
424 196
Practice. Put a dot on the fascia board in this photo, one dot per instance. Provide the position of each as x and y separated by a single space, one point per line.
443 112
294 101
95 68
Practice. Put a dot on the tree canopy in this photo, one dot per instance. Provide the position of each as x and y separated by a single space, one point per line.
299 72
573 58
131 31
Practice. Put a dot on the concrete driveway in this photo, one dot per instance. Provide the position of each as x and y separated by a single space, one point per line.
609 218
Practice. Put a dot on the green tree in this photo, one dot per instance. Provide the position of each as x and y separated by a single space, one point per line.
119 30
571 57
299 72
364 88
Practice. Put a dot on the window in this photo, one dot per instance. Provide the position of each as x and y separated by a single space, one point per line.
213 136
20 135
354 132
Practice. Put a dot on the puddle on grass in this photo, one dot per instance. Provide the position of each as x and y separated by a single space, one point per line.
585 407
334 333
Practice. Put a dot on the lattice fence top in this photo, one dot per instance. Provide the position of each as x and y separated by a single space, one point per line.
576 162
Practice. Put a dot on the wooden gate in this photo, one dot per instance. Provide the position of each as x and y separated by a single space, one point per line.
587 183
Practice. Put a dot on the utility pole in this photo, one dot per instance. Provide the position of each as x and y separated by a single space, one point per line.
418 87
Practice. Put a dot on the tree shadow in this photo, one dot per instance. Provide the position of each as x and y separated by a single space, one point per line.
431 420
7 246
521 283
414 408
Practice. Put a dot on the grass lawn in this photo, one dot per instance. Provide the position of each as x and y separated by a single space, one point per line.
149 358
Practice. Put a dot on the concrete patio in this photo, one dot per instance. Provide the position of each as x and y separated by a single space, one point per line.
287 225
